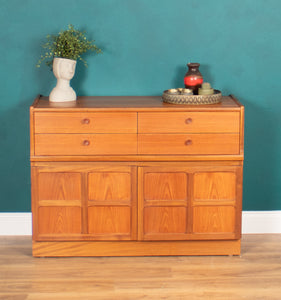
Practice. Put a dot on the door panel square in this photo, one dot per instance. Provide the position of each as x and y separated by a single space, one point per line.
215 186
214 219
59 186
107 186
109 220
164 220
59 220
165 186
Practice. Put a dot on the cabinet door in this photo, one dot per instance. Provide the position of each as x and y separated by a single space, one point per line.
84 201
216 203
192 202
163 203
112 203
56 204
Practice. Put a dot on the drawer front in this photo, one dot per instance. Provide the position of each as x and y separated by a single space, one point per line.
188 143
85 122
180 122
85 144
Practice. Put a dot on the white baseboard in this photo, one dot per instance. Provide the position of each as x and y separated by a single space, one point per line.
261 221
252 222
15 224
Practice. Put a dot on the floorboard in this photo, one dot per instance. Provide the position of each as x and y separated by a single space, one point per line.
256 274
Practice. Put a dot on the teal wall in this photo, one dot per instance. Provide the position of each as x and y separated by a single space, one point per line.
146 45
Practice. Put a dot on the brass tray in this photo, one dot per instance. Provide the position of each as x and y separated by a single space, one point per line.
192 99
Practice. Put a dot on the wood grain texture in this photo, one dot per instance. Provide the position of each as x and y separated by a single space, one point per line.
165 186
34 201
96 185
239 192
31 129
191 122
112 220
81 122
111 204
233 158
242 129
59 203
164 220
217 186
85 144
136 248
163 203
59 220
129 103
109 186
253 275
216 207
209 198
59 186
213 219
242 121
188 144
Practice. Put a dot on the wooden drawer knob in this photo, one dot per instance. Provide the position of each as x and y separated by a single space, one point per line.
188 121
86 143
188 142
85 121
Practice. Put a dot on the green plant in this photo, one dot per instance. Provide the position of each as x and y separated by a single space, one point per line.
70 43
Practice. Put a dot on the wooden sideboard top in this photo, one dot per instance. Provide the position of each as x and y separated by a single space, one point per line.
131 103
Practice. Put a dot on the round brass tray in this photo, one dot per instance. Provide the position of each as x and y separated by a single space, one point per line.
192 99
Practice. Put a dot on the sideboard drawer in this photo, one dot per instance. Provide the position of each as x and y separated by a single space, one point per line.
85 144
205 122
188 143
85 122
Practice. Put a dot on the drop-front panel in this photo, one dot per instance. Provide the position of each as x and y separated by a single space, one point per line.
128 176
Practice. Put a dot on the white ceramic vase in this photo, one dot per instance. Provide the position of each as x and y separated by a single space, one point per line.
64 70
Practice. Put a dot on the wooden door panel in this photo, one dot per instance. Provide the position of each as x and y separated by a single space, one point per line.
215 204
163 220
107 186
214 219
217 186
109 220
59 220
59 186
162 203
165 186
104 210
58 204
112 203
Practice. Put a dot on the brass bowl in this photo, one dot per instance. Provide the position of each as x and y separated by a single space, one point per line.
192 99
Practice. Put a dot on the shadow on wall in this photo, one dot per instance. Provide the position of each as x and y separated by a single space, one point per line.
79 79
261 172
14 160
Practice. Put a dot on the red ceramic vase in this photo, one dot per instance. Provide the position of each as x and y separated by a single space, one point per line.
193 78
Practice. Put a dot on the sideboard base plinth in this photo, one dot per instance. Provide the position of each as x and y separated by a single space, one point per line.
134 248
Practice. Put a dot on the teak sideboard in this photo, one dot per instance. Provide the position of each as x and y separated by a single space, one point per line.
133 176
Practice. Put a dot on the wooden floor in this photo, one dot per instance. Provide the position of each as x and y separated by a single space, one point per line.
256 274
